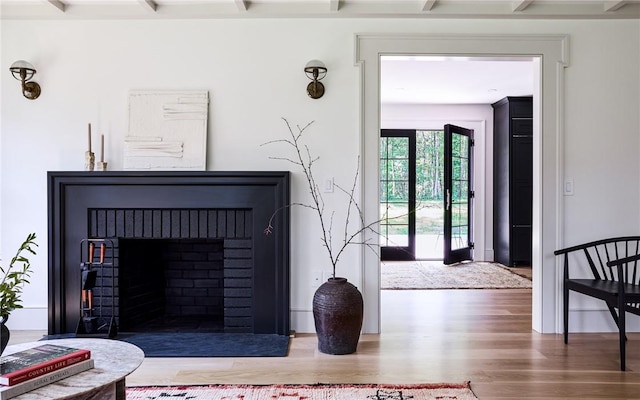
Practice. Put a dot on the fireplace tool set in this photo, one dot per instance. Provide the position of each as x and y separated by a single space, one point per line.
94 321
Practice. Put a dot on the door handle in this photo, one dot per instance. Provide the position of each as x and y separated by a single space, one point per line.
448 205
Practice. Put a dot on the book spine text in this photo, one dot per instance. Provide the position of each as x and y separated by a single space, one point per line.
46 367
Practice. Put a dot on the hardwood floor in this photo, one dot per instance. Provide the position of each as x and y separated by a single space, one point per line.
526 272
483 336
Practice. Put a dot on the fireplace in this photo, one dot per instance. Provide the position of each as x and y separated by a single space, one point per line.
189 252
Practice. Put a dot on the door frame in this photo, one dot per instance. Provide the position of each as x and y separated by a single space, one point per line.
550 53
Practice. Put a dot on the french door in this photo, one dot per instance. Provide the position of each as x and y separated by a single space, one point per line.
397 194
458 201
425 194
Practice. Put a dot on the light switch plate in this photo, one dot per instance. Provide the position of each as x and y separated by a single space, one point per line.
568 187
328 185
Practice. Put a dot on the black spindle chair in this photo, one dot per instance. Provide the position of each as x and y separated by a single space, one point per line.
614 265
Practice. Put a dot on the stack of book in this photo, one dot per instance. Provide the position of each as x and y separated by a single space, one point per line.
39 366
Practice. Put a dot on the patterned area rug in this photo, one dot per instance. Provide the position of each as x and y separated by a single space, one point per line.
435 275
441 391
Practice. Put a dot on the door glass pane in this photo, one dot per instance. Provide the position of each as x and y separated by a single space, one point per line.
383 191
394 191
460 192
429 194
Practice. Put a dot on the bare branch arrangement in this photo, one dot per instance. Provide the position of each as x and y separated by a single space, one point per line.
305 160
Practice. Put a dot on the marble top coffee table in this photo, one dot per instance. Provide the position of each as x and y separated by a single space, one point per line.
113 359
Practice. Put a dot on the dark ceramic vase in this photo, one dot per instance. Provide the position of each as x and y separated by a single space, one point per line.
4 333
337 312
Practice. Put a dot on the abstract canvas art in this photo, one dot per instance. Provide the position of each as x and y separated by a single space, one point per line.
167 130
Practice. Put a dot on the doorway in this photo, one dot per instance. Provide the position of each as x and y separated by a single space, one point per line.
549 54
478 83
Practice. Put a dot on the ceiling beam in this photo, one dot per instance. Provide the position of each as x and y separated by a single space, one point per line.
150 5
520 5
428 5
58 4
441 9
243 5
614 5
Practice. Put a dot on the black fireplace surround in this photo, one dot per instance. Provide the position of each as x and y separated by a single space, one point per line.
236 274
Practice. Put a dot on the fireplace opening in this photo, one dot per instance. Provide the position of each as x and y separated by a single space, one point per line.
171 285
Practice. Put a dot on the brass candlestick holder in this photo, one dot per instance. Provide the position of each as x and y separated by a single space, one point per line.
89 160
101 166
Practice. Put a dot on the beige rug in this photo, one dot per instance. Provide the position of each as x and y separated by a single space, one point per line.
461 391
435 275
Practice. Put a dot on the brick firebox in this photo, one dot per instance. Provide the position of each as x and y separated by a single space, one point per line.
177 269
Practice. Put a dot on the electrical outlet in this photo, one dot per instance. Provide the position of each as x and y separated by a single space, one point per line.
316 278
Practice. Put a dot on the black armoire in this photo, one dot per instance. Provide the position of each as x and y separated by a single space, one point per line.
512 180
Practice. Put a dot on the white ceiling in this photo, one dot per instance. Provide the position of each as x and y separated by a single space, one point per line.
319 8
454 80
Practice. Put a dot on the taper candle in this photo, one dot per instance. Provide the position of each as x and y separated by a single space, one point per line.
89 132
102 148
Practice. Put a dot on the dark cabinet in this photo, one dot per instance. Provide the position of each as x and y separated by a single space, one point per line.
512 180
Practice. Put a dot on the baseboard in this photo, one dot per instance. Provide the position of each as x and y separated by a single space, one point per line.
598 321
302 321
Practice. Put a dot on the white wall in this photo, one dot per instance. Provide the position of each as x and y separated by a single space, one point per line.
252 69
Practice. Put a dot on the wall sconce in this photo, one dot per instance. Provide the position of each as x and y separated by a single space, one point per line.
24 71
315 70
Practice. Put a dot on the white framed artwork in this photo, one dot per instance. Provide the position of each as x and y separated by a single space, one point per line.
167 130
